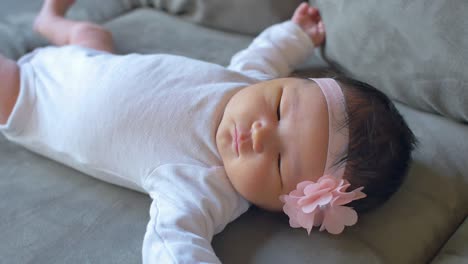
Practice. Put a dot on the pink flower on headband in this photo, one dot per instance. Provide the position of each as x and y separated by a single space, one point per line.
321 204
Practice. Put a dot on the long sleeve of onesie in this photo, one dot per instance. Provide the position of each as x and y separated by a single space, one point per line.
274 53
180 230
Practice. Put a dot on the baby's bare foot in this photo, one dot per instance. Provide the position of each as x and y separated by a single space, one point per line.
50 10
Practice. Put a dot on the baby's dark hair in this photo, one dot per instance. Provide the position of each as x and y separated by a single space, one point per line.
380 144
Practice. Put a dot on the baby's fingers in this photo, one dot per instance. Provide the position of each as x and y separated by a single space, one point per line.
321 27
314 14
317 34
302 9
300 13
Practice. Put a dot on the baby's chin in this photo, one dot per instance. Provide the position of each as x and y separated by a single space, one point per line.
269 205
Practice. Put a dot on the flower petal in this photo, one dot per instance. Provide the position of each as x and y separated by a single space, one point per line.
337 217
318 219
322 200
306 221
302 185
343 198
291 211
321 204
308 199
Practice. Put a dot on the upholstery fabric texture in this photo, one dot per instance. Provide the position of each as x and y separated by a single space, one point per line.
50 213
415 51
455 251
241 16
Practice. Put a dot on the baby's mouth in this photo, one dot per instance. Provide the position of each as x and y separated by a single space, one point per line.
236 140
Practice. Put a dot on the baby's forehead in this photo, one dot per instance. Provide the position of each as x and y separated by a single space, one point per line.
306 131
299 89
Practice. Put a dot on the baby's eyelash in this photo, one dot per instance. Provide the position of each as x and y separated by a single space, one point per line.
278 113
278 109
279 162
279 167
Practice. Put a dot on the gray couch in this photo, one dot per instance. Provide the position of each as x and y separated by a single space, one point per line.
52 214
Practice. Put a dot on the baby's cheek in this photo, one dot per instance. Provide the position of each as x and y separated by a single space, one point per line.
252 180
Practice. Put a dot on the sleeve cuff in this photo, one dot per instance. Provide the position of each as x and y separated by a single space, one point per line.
22 110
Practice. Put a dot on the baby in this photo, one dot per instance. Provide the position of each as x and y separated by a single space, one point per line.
205 141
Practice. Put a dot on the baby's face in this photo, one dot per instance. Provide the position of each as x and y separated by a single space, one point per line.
272 136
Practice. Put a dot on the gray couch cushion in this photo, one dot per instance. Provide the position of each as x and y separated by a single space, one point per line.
415 51
456 250
242 16
153 31
63 216
53 214
17 16
410 228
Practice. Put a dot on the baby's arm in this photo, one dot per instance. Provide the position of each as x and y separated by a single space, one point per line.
190 205
280 48
175 235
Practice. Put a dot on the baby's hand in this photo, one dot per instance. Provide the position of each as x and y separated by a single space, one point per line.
308 18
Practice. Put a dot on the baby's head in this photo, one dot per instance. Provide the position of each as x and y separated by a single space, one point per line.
380 144
275 134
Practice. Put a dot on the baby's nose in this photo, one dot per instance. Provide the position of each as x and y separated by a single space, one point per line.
259 136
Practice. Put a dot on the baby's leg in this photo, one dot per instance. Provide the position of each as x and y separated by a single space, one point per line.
9 87
52 24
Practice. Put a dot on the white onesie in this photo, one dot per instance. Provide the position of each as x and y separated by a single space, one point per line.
148 122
